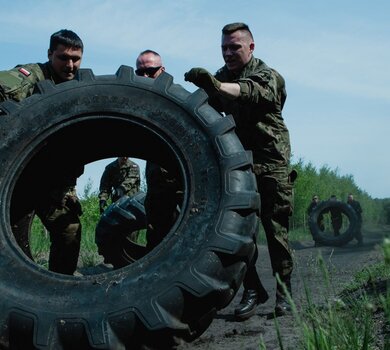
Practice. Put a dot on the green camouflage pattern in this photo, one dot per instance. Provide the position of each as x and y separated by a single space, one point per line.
257 112
119 180
59 213
16 85
260 127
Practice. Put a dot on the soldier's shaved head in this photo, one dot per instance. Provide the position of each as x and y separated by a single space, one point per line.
233 27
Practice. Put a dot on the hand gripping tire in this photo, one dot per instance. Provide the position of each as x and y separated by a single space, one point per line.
174 291
344 237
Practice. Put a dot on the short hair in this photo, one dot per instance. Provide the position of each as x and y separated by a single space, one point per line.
149 51
67 38
233 27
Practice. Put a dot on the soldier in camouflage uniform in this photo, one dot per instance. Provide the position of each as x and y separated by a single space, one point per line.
255 94
59 208
314 202
358 210
164 193
121 177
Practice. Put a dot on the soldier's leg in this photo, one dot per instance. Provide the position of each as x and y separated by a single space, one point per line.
254 291
359 236
336 227
276 196
63 223
64 249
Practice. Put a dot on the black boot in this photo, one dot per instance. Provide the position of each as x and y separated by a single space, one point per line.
282 304
250 299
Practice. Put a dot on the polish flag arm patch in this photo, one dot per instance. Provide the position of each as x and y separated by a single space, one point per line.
24 71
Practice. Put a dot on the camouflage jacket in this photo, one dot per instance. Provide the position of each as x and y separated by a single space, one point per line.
20 82
257 113
118 178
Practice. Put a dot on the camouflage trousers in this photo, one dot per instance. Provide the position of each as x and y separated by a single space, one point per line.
275 188
60 215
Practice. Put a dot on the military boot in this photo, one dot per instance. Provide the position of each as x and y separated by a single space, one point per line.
282 304
250 299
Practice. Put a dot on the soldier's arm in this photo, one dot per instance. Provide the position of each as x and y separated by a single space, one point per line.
19 83
230 90
266 88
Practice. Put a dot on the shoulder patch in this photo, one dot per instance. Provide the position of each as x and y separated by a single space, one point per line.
24 71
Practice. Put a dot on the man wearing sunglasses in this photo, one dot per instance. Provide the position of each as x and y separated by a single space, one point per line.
164 193
58 208
149 64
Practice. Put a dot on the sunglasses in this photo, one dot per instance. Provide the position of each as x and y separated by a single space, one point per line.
150 71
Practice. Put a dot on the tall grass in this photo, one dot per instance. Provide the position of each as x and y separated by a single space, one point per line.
342 321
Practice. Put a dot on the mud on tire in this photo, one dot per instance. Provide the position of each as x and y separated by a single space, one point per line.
173 292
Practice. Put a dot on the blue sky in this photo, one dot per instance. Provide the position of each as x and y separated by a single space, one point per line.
334 56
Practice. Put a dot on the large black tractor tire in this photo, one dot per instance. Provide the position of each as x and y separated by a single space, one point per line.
327 240
174 291
112 234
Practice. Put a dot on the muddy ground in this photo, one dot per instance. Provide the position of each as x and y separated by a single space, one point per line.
342 262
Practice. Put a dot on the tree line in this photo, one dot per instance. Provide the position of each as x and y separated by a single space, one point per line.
325 182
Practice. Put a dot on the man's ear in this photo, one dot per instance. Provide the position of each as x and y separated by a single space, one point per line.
252 46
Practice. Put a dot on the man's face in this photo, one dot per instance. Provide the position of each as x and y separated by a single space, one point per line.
149 65
237 49
65 61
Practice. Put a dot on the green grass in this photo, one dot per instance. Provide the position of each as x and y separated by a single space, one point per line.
346 321
339 323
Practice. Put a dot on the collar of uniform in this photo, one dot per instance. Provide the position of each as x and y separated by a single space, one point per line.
254 64
49 73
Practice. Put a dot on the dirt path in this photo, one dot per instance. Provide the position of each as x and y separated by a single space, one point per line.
342 263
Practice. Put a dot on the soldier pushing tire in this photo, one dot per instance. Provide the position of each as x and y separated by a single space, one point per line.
332 223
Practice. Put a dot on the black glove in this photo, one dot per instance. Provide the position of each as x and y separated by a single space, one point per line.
102 204
203 79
